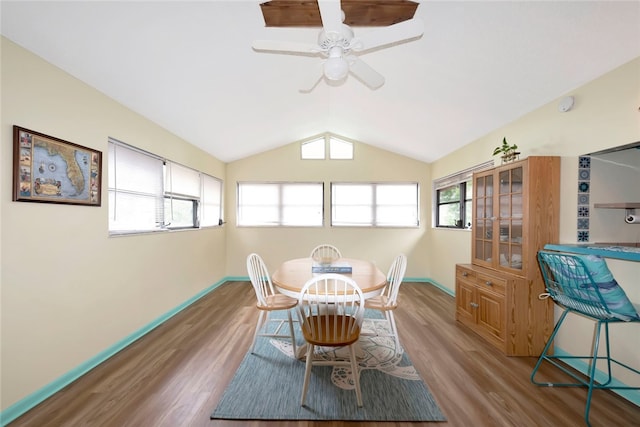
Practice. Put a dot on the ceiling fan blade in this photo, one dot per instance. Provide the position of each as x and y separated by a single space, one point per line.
365 73
395 33
331 15
279 46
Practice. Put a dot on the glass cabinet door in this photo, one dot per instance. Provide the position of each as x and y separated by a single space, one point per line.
510 218
483 215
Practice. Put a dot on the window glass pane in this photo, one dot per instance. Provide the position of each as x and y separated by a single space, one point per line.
302 204
374 204
134 171
179 213
396 194
134 212
449 214
181 180
135 190
314 149
449 194
211 201
396 215
352 215
339 149
467 213
352 194
280 204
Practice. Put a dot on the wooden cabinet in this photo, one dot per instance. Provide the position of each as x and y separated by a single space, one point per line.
516 211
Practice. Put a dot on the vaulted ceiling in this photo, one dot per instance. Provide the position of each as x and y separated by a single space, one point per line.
189 67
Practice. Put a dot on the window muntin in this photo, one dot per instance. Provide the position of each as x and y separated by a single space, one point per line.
148 193
280 204
374 204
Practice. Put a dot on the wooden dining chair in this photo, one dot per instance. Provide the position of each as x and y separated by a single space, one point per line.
386 302
330 311
269 301
325 253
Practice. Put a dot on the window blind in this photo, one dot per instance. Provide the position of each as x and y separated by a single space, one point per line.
135 189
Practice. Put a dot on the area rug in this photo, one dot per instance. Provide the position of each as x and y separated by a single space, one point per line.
268 385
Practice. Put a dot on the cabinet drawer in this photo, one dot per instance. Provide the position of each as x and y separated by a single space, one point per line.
465 273
496 284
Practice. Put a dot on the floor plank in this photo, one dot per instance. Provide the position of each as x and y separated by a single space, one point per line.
175 375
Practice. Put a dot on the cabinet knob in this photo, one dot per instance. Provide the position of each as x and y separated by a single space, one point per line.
488 283
465 274
474 304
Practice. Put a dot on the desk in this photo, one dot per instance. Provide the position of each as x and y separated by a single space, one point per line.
291 276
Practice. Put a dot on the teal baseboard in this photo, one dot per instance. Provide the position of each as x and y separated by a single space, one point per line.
24 405
431 282
581 366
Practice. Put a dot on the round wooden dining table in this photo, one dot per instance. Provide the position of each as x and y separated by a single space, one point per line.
291 276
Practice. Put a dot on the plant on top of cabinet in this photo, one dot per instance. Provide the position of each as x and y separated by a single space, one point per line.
507 151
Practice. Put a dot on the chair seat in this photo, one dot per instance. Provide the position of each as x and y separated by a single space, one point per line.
380 302
322 330
278 302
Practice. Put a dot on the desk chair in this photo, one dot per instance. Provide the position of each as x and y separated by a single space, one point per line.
330 311
583 284
387 301
269 301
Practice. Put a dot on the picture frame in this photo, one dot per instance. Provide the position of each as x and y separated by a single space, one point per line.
50 170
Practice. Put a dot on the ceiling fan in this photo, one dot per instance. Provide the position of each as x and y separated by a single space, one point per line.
340 47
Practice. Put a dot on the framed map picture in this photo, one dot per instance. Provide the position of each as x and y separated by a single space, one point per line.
48 169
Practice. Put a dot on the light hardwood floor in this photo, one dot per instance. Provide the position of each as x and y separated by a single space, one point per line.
176 374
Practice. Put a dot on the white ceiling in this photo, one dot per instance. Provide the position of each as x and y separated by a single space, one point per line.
189 67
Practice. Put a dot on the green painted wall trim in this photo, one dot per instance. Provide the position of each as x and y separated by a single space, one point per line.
22 406
431 282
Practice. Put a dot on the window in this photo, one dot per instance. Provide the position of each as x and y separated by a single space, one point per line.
339 149
315 148
210 201
453 196
374 204
149 193
280 204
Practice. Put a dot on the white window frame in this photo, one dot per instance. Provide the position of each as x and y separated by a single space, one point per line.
451 180
253 209
141 199
370 209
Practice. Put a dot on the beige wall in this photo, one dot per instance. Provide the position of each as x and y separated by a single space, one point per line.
606 114
377 245
68 290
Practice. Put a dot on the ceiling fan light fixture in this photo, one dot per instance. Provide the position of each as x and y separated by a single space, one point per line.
336 68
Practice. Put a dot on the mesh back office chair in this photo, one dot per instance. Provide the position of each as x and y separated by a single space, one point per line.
268 301
584 285
330 311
